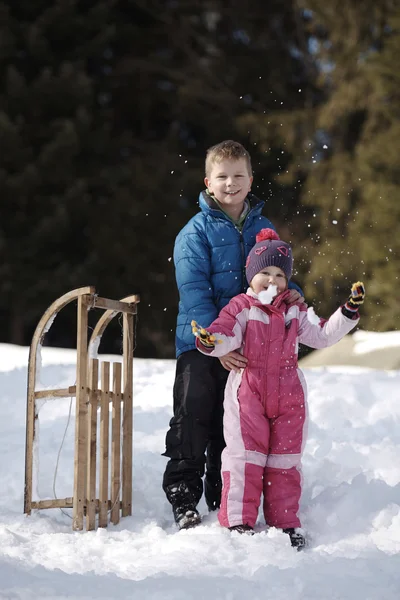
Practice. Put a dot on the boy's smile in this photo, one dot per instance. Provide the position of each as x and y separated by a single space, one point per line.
230 182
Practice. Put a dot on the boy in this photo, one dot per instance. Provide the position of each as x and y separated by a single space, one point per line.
209 255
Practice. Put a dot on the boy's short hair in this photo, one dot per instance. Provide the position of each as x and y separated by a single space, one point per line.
227 150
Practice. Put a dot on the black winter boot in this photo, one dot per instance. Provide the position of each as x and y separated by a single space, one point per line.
183 505
242 529
297 539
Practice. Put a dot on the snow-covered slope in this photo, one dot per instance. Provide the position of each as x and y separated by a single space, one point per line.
350 504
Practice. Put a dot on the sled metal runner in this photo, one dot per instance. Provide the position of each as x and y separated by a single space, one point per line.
93 404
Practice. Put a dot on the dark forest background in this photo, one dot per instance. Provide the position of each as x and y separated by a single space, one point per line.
107 109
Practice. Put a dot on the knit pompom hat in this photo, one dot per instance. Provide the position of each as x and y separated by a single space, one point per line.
269 251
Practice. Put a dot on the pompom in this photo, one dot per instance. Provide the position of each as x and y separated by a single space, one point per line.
267 234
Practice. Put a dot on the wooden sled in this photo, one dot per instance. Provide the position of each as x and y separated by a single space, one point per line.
115 492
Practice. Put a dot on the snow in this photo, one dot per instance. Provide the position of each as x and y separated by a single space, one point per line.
368 341
350 504
312 317
266 296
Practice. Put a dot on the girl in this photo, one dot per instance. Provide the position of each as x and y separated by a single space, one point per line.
265 403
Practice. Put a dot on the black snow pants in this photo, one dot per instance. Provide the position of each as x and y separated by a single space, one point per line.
195 438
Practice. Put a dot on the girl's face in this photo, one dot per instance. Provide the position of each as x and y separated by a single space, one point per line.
269 276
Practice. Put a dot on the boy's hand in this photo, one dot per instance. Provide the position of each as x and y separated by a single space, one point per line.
233 361
206 338
294 296
356 297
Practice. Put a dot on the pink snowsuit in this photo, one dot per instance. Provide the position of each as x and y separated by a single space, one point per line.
265 405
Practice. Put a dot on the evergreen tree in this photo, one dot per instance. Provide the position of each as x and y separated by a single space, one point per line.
52 137
186 76
344 148
106 110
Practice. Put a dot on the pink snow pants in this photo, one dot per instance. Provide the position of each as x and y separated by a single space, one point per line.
264 423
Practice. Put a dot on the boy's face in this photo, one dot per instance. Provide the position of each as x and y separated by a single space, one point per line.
269 276
229 181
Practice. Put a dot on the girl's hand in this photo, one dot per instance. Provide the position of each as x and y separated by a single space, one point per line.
294 296
357 296
206 338
233 361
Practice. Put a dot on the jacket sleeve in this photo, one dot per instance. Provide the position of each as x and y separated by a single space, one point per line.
193 276
228 329
326 332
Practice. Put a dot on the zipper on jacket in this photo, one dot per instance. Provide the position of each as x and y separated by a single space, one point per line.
240 231
243 259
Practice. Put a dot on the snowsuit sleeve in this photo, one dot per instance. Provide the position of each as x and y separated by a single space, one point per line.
326 332
228 329
193 277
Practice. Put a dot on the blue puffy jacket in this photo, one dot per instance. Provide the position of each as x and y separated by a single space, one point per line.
209 255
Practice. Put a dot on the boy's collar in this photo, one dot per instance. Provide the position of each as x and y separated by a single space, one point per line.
206 200
246 208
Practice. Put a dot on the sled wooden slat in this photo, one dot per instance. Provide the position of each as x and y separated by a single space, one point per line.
115 305
59 393
55 503
67 393
81 415
116 444
104 435
92 445
31 416
127 424
65 503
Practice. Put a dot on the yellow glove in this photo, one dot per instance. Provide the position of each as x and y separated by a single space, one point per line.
356 297
206 338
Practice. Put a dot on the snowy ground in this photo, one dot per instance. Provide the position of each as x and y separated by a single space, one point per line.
350 504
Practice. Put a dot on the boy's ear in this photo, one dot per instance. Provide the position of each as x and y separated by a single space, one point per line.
206 181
